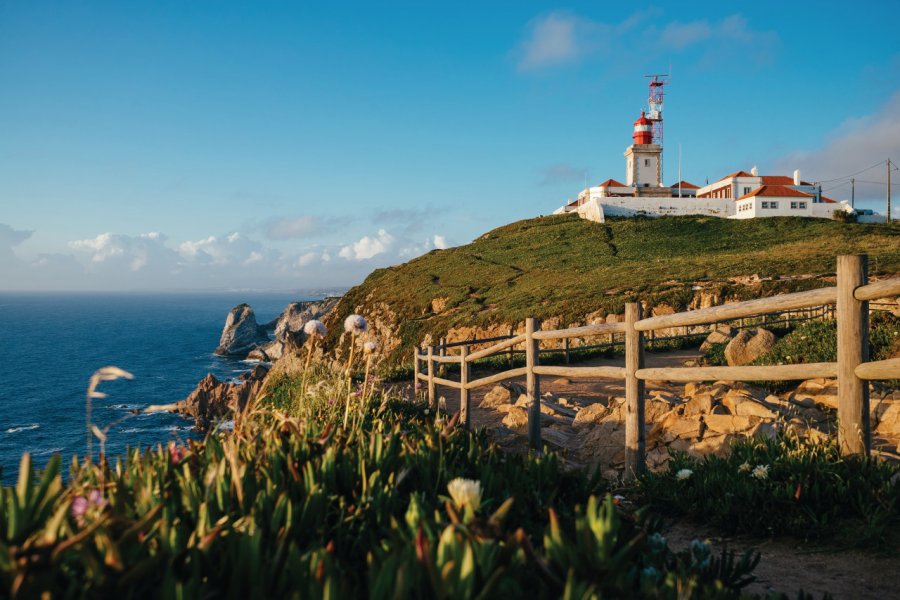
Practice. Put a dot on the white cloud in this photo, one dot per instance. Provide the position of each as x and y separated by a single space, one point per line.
856 144
440 242
552 40
561 38
308 258
368 247
412 250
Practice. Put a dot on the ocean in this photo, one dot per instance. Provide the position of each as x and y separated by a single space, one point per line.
54 342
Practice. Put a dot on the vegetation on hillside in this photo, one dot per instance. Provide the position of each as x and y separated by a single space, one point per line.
563 266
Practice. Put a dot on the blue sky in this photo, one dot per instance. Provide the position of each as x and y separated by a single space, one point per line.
275 145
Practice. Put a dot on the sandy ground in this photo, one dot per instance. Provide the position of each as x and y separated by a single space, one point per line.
786 565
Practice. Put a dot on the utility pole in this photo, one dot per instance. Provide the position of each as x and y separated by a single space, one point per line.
888 190
852 192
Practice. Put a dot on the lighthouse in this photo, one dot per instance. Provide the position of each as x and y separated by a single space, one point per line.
643 161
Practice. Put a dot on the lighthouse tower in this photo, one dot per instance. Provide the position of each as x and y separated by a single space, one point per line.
643 160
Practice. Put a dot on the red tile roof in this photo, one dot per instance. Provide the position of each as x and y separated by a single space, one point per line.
829 200
776 191
777 180
686 185
611 183
736 174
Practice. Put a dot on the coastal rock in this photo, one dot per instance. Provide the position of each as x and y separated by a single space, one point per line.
213 400
720 334
502 394
749 345
241 333
288 327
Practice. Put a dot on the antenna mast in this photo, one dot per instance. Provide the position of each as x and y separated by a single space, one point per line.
655 109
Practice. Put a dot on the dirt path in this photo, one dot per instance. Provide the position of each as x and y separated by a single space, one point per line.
790 565
785 565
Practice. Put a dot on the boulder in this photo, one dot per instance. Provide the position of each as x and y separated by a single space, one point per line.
716 445
501 394
748 345
589 415
241 333
739 403
889 422
729 423
517 419
720 334
701 404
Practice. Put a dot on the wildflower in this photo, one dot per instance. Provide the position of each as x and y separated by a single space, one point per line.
617 499
683 474
81 505
787 357
369 347
465 492
761 471
427 412
355 324
177 453
745 467
315 329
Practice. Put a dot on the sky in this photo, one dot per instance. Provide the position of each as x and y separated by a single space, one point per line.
292 146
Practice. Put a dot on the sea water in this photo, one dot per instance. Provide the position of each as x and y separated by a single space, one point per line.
52 343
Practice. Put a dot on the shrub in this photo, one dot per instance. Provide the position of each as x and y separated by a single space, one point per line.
784 486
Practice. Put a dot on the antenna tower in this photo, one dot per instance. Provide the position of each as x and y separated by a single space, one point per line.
655 107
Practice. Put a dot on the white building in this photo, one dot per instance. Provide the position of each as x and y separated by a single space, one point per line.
740 195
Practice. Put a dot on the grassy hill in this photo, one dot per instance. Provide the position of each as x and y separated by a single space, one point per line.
567 267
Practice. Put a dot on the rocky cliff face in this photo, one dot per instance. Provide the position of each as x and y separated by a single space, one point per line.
213 400
241 333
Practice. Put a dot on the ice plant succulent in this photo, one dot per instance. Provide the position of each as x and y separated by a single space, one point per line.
683 474
761 472
465 493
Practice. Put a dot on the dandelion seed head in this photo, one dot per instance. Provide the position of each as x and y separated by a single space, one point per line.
315 329
355 324
761 472
370 347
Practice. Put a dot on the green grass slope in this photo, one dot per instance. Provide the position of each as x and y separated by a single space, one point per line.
568 267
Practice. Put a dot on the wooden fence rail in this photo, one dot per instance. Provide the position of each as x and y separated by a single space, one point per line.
853 369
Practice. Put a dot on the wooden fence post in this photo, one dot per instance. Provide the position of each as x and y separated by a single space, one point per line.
442 347
465 416
635 438
432 402
854 435
416 384
533 383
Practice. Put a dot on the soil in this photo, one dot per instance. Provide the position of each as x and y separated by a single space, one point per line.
787 565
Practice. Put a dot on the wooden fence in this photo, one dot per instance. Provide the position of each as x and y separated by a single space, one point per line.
853 370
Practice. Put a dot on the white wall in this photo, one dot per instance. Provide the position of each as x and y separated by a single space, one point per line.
821 210
657 207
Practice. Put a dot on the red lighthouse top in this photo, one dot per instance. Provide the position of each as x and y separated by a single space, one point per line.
643 132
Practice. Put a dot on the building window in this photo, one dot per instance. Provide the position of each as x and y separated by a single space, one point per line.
765 205
646 162
773 205
803 205
793 204
746 190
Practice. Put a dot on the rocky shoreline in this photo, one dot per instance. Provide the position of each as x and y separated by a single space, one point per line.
244 338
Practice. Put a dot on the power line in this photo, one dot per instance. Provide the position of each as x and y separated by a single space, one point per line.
878 164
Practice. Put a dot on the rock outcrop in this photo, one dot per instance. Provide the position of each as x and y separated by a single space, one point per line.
241 333
213 400
288 327
748 345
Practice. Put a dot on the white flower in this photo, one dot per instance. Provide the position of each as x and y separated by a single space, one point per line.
465 492
683 474
745 467
761 471
427 412
315 329
370 347
355 324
